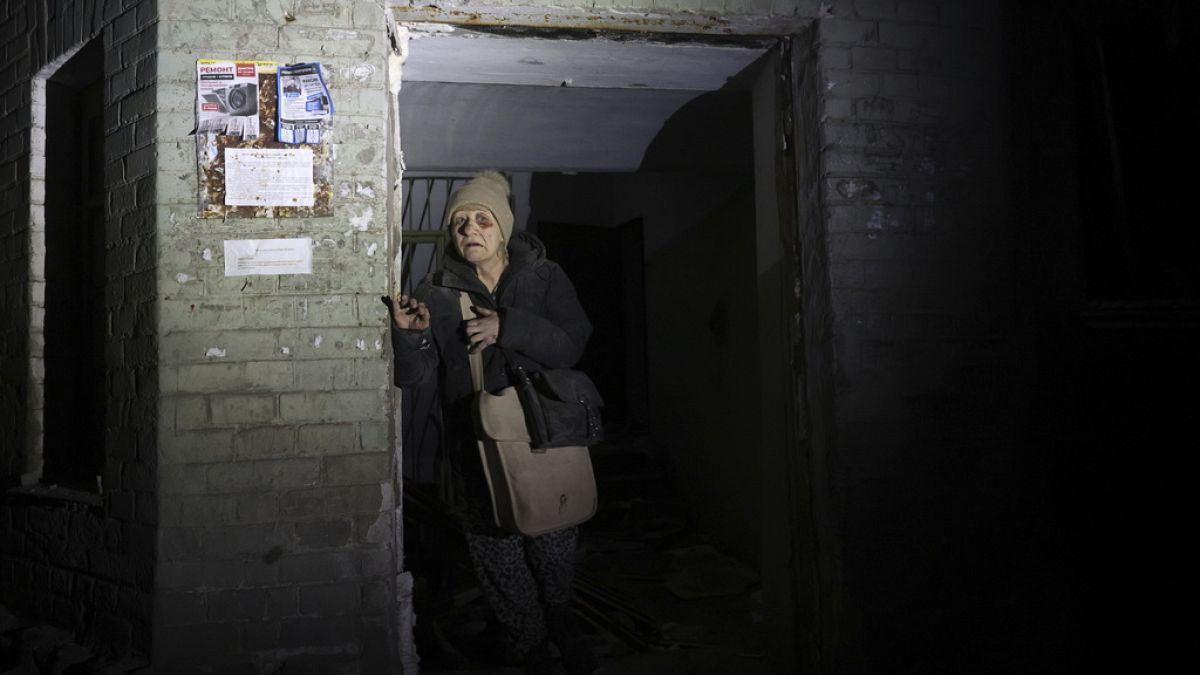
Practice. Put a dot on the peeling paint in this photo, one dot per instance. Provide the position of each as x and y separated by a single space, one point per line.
417 28
360 72
372 248
381 529
856 188
206 254
358 189
378 344
286 351
880 218
363 221
360 344
215 352
183 278
317 341
340 34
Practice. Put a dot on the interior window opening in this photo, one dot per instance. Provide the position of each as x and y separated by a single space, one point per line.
75 320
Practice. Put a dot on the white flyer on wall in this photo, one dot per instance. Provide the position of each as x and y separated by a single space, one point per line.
244 257
227 97
269 177
304 104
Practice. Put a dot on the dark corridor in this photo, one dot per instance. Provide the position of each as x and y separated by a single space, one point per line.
660 584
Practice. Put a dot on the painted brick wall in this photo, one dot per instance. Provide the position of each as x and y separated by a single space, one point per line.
913 355
14 228
86 568
276 467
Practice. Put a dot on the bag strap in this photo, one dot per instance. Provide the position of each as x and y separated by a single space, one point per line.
476 359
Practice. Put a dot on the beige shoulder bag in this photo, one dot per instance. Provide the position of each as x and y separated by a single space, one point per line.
533 491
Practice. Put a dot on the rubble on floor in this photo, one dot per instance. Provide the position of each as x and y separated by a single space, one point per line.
653 596
31 648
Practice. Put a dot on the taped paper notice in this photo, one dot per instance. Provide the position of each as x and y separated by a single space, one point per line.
244 257
269 177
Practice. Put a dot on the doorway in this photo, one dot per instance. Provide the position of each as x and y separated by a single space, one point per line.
75 326
635 163
607 267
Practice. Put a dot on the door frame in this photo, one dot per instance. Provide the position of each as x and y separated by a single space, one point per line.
805 588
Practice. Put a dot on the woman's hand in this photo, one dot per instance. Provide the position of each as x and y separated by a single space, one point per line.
484 330
409 314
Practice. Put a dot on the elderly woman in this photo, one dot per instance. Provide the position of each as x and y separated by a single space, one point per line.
527 311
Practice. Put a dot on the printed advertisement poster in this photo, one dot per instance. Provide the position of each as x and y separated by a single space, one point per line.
227 97
305 106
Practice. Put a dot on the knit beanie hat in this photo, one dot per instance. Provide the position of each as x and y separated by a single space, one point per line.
488 190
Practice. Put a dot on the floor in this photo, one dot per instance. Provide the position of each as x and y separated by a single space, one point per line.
29 648
638 621
654 596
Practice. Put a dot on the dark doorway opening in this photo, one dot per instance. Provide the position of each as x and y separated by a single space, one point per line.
644 191
76 319
674 340
610 262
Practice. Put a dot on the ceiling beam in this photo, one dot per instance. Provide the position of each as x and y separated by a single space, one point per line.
465 57
608 20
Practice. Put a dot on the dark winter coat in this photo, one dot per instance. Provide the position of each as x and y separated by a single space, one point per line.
542 324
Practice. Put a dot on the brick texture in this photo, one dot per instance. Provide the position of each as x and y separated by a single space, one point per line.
98 560
906 301
272 386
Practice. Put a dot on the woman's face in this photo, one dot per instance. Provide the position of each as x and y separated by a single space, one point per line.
477 235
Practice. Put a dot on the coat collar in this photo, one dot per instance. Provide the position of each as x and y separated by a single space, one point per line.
525 253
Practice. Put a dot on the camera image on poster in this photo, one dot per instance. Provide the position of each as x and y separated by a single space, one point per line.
227 97
239 100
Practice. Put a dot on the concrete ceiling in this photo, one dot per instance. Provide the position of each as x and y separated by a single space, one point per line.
473 100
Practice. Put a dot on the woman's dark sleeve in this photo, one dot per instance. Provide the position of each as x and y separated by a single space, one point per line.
414 352
557 339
